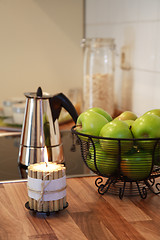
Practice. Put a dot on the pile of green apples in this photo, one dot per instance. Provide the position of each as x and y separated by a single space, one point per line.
123 144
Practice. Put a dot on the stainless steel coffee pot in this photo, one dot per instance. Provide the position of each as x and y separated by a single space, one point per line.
41 128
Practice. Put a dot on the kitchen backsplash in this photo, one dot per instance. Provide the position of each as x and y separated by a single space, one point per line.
135 26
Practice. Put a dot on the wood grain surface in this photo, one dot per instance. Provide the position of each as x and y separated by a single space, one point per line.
88 216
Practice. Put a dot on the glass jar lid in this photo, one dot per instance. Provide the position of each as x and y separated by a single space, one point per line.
97 42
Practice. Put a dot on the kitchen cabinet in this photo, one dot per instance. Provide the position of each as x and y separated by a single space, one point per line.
40 46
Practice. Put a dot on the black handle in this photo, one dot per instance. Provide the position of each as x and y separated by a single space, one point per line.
57 102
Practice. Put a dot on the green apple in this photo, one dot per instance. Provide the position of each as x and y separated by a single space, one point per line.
127 115
129 122
107 164
116 129
154 111
146 126
90 122
102 112
156 154
137 165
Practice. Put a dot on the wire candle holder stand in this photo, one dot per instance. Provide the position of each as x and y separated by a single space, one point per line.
124 166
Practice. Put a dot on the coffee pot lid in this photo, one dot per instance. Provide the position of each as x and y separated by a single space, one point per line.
38 94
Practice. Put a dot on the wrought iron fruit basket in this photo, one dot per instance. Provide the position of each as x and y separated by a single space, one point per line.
123 166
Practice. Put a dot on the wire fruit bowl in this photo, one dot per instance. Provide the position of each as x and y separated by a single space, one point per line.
122 161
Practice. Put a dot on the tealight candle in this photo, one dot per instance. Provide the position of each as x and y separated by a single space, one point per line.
47 186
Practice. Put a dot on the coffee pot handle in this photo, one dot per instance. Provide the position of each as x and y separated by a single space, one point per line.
57 102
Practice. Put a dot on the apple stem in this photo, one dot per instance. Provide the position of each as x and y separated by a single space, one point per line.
79 126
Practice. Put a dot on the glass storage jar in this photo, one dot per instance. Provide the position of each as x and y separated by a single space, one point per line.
98 80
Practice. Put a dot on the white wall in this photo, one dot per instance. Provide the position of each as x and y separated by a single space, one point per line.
135 25
40 46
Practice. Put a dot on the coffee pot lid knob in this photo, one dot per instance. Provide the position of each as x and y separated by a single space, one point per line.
39 92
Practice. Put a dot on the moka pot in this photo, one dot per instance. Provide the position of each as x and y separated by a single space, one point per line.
41 128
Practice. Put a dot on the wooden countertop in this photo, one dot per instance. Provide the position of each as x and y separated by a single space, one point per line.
88 216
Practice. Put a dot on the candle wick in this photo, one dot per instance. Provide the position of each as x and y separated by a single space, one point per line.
46 164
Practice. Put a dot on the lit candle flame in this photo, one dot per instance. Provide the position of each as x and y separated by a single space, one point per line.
46 156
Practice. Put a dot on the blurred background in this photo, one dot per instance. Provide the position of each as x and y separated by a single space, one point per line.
135 26
40 46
